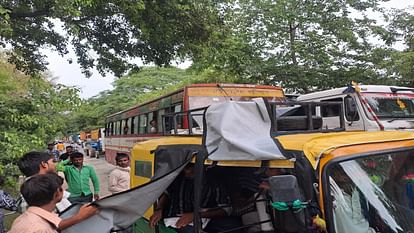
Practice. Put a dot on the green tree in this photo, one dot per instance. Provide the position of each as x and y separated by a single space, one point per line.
106 34
32 112
400 64
130 90
300 45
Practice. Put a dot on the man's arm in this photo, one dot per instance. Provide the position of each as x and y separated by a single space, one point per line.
157 215
95 182
61 166
85 212
222 207
188 218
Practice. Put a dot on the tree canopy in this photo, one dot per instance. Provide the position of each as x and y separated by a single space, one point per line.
105 34
33 112
129 90
309 45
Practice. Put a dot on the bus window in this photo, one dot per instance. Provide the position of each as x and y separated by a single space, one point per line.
149 119
117 127
160 114
136 124
142 123
107 129
168 120
178 108
112 127
132 125
128 126
123 129
152 122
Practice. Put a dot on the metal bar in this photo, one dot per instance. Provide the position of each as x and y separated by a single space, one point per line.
309 115
341 116
190 123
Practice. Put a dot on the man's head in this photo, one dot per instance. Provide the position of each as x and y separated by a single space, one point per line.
77 159
69 149
42 189
50 146
122 159
35 162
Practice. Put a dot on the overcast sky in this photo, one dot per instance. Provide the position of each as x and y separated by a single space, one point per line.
70 74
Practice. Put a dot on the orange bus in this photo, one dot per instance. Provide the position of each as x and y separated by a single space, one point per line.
148 120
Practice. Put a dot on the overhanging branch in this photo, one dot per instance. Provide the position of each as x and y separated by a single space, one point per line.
29 14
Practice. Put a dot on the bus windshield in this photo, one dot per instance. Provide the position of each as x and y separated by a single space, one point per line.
390 105
374 194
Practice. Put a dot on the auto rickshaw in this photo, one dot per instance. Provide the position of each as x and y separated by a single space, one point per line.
316 180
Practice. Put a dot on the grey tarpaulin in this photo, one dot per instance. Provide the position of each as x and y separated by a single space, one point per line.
240 131
121 210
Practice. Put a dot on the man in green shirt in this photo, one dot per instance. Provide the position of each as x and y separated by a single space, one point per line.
77 176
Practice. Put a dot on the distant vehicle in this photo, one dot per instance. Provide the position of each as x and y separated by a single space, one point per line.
75 138
93 142
148 121
367 107
96 145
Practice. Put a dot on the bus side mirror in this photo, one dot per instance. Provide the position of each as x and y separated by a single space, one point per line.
351 111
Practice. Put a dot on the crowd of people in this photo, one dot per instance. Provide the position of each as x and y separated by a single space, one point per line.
43 197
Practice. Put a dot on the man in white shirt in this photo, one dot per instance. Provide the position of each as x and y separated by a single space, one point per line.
119 178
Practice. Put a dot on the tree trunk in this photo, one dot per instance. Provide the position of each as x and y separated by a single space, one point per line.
292 34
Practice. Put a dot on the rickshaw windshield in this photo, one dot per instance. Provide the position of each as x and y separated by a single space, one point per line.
374 194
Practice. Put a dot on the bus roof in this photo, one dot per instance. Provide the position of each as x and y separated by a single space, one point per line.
220 85
364 88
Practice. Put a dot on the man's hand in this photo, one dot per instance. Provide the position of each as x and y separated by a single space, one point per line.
184 220
155 218
87 211
96 197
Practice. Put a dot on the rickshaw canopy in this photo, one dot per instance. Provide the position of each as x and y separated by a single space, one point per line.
317 145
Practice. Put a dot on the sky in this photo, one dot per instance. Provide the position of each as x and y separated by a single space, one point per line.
70 74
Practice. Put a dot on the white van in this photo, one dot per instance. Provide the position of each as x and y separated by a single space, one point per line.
367 107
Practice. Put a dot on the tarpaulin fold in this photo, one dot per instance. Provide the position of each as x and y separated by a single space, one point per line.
240 130
121 210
